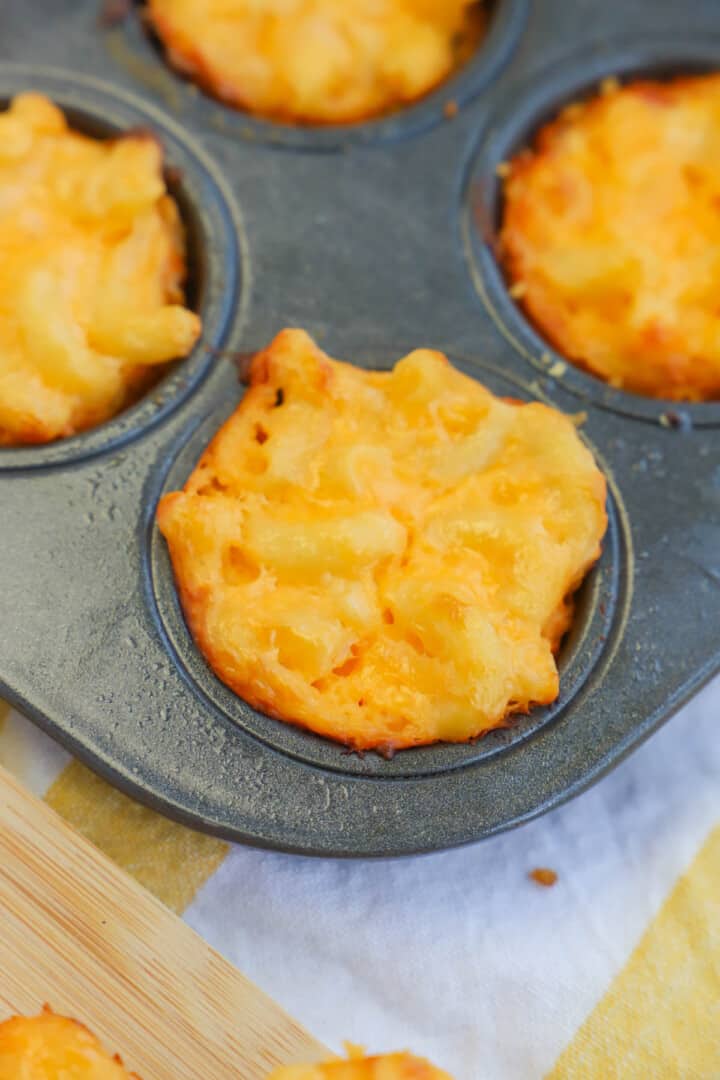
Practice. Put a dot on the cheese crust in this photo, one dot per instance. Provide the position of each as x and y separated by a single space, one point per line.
317 61
48 1046
611 235
385 558
91 270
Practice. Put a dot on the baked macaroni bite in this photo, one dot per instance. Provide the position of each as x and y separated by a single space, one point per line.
91 271
50 1047
611 235
385 558
317 61
387 1067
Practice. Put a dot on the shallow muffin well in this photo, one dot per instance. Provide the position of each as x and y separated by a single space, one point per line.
135 45
579 656
535 104
211 267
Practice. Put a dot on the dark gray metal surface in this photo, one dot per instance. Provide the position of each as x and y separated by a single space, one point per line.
367 238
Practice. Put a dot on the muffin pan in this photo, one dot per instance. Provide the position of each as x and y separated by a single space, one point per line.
371 238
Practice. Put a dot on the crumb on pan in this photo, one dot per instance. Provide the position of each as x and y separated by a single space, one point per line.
402 1066
386 558
48 1046
611 224
113 12
91 272
319 61
610 85
543 876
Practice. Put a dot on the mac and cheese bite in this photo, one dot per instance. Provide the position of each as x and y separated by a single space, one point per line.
48 1047
92 265
53 1047
611 235
358 1067
384 558
317 61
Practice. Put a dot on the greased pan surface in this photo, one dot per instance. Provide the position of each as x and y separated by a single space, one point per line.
368 237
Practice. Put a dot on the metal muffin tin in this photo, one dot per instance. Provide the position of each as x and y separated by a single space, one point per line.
368 237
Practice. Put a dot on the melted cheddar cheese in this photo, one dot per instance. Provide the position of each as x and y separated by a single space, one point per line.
386 1067
50 1047
318 61
385 558
91 271
611 235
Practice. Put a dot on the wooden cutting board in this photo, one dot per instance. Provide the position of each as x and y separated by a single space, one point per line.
78 933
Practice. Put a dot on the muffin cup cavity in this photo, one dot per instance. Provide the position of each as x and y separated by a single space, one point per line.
600 604
525 108
215 252
134 46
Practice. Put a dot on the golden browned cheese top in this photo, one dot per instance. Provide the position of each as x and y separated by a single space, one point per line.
386 1067
318 61
50 1047
384 557
611 232
91 269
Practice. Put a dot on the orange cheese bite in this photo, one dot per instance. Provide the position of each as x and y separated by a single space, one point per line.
611 235
317 61
91 271
385 558
387 1067
50 1047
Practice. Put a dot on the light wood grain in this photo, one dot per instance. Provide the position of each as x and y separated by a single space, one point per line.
78 933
